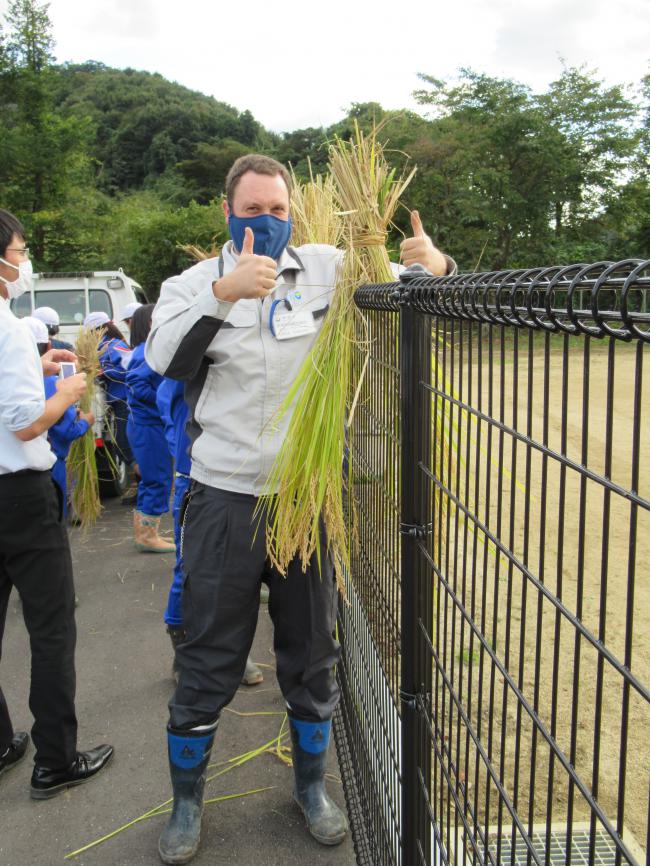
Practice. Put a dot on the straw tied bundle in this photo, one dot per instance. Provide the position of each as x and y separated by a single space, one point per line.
314 211
81 465
306 483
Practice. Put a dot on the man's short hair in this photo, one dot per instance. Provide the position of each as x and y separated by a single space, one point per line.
9 226
258 163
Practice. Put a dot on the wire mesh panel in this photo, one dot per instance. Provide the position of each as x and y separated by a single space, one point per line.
528 572
367 726
541 493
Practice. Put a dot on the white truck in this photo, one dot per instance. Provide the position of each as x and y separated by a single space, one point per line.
74 295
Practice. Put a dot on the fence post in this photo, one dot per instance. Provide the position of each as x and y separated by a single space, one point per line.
416 606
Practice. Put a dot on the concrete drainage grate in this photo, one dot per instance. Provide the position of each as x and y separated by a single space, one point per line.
604 852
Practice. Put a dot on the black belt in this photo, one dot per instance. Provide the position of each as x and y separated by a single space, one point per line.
22 473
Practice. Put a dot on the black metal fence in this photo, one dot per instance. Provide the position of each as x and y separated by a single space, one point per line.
496 667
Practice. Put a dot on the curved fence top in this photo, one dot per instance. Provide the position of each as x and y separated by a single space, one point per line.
598 300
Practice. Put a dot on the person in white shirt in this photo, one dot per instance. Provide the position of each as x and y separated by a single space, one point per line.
34 549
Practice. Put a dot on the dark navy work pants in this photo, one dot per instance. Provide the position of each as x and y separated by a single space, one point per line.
225 562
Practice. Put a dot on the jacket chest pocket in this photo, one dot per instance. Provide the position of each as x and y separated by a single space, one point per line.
240 325
242 315
318 315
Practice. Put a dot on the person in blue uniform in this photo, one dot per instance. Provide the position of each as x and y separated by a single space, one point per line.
146 433
114 360
126 315
73 424
173 413
50 318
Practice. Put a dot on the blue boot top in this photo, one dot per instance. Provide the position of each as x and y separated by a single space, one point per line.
312 737
189 749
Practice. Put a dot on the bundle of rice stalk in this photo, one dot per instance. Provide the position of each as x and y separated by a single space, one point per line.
81 465
199 254
314 211
308 472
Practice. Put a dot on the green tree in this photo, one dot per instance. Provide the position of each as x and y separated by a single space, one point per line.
42 152
531 174
31 43
596 124
147 126
144 236
302 147
491 166
627 218
206 171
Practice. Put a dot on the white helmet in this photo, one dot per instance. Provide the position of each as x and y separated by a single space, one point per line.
95 320
129 310
48 315
38 329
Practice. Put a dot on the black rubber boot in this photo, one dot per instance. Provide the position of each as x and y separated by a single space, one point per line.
189 754
325 821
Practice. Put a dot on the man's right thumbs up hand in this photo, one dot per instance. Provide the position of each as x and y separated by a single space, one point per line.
249 242
252 277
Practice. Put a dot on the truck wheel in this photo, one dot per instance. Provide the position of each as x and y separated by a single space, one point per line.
112 471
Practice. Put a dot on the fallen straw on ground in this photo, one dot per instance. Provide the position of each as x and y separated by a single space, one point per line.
274 747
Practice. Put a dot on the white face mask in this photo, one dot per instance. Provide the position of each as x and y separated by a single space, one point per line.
23 283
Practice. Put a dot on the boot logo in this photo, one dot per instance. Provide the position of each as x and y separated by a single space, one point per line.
189 752
313 737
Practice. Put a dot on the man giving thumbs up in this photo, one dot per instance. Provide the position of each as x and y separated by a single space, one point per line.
216 326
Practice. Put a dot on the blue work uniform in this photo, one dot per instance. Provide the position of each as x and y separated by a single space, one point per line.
114 361
61 436
146 433
173 411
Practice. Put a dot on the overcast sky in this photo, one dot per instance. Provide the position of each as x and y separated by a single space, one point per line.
297 64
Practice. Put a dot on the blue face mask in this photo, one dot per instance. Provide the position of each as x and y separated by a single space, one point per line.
271 234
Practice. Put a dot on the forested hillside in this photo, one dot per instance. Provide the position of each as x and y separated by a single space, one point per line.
115 168
147 127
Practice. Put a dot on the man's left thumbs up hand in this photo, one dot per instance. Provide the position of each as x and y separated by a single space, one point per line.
420 249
